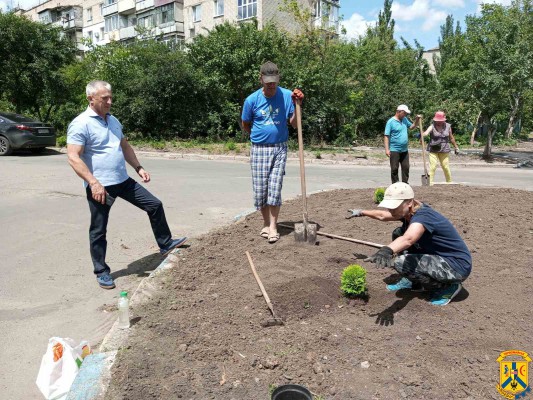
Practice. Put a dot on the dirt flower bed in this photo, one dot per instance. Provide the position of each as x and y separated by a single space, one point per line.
202 337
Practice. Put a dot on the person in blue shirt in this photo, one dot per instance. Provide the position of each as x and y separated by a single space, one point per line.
98 151
396 141
265 116
426 250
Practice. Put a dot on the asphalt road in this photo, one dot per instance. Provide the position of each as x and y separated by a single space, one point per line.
47 287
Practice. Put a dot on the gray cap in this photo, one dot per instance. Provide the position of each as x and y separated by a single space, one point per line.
270 72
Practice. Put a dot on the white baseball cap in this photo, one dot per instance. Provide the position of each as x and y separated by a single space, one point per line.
403 107
396 194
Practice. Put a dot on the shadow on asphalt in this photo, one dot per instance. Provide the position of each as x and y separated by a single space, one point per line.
141 267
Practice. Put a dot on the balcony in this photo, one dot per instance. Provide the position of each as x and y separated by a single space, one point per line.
169 28
128 32
72 24
144 4
126 6
109 9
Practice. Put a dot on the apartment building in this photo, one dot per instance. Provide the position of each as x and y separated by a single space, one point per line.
172 21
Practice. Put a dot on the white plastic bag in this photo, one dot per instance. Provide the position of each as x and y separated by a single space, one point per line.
59 366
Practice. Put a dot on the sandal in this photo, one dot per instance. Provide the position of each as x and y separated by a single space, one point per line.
265 232
273 238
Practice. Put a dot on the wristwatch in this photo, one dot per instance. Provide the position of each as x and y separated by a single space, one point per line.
138 168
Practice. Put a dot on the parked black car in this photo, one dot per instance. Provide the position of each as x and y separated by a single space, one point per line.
19 132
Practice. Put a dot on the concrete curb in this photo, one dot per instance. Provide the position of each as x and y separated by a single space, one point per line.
94 376
293 159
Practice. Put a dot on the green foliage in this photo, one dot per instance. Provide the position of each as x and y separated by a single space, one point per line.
61 141
353 281
32 56
230 145
379 193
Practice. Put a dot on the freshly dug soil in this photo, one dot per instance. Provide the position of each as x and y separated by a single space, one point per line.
202 337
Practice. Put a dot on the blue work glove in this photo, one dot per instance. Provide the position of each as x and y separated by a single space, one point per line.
355 213
383 258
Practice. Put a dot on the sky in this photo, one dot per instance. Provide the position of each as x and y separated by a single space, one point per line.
415 19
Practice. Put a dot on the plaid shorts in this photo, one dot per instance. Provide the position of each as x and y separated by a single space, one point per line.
268 167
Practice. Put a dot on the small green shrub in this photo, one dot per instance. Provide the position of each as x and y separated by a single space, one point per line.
379 193
61 141
353 281
230 145
318 155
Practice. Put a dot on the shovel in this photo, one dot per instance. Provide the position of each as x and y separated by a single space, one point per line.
275 320
304 232
425 177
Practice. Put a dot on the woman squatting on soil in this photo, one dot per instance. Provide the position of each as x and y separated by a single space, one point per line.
426 250
440 136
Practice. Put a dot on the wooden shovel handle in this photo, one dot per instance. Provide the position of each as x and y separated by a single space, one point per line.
265 295
423 145
301 157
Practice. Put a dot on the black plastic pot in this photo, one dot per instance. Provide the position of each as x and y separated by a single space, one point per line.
291 392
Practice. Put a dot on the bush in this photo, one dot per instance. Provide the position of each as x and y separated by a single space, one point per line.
353 281
230 145
61 141
379 193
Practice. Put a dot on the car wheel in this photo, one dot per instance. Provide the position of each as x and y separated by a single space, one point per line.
5 146
37 150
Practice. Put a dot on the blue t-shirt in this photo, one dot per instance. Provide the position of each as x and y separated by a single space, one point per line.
102 152
397 133
442 239
268 116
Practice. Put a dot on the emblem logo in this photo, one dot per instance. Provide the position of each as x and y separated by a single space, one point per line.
513 374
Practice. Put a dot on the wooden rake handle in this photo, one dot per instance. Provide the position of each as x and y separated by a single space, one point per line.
263 291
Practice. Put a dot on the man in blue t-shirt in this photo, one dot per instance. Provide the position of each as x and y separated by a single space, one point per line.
265 114
430 254
396 141
98 151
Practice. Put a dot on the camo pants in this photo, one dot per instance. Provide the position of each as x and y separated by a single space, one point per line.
430 271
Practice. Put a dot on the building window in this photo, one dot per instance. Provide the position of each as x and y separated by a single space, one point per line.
146 21
197 13
165 14
102 33
111 23
246 9
89 12
109 2
219 8
90 35
101 7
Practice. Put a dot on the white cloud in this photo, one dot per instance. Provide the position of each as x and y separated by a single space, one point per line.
450 3
3 6
355 26
420 10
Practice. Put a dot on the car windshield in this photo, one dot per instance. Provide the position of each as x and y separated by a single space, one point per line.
16 117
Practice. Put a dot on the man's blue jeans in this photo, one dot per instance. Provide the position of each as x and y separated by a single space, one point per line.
134 193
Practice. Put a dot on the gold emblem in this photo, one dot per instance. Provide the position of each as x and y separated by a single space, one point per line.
513 374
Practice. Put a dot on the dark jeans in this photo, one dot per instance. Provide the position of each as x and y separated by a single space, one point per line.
397 159
134 193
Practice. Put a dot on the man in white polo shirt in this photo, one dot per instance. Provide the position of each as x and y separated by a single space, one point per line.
396 142
98 151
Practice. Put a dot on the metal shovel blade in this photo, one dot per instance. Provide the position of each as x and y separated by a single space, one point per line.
305 233
425 180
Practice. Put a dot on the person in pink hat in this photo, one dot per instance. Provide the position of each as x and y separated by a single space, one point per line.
440 137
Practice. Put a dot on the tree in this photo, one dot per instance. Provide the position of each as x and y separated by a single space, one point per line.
32 57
